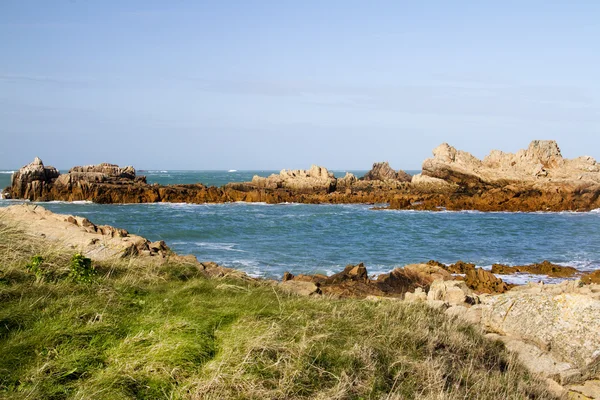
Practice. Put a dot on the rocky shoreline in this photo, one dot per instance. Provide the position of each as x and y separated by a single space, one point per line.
554 329
535 179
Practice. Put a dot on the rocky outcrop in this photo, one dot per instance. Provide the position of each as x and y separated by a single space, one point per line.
32 181
562 324
73 233
315 179
382 171
101 243
535 179
553 329
591 277
543 268
540 164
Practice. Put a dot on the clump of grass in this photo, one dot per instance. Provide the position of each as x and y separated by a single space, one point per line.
82 269
150 331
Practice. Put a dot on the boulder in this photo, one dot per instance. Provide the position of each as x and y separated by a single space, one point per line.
31 182
483 281
382 171
452 292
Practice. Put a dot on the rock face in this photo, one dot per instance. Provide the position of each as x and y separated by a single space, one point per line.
315 179
382 171
33 180
540 164
566 325
535 179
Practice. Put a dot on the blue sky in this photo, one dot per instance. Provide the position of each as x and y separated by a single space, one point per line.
286 84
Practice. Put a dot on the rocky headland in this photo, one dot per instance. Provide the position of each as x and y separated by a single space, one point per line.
554 329
535 179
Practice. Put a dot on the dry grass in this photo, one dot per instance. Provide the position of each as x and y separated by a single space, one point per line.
144 331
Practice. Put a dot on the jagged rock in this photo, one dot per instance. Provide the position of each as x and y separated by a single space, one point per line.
483 281
543 268
540 163
430 183
531 180
354 281
98 242
316 178
460 267
382 171
30 182
350 273
347 181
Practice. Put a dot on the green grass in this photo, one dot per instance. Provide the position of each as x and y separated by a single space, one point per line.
165 332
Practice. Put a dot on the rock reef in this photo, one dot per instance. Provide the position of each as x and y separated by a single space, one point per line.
534 179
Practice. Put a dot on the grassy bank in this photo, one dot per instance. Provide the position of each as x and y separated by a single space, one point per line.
166 332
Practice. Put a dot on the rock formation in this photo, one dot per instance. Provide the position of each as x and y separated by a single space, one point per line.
543 268
315 179
383 172
535 179
540 164
32 181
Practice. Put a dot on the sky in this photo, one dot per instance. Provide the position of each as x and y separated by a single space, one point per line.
287 84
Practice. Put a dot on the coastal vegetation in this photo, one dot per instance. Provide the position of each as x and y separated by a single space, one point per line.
132 329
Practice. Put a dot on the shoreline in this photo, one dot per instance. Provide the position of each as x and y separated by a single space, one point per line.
553 329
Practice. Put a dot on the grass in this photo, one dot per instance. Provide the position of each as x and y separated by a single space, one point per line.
140 331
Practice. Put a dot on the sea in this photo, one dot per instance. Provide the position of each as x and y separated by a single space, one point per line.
265 240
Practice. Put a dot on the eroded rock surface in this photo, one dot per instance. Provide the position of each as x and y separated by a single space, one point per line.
541 163
535 179
32 181
382 171
543 268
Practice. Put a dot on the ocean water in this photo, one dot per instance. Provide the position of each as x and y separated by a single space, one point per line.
266 240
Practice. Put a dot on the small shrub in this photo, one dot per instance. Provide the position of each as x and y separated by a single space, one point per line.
82 269
35 267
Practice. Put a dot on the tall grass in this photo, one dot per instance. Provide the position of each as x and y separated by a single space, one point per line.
149 331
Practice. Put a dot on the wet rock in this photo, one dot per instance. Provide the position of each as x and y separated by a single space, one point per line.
543 268
591 278
460 267
483 281
350 273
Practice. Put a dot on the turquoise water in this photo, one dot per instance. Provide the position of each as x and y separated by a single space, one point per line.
266 240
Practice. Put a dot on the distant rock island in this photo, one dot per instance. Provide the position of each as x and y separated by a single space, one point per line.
534 179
